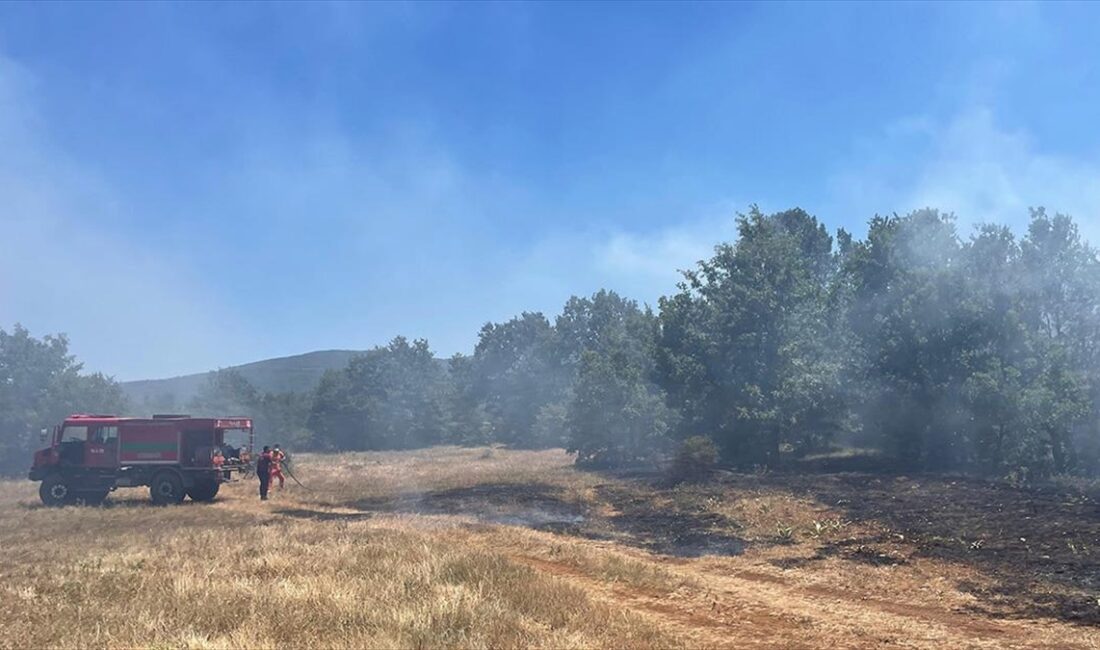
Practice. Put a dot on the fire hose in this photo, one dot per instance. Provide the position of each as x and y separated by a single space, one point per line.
286 467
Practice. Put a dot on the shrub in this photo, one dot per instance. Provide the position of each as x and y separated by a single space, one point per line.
694 460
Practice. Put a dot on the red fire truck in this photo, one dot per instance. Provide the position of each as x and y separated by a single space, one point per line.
175 455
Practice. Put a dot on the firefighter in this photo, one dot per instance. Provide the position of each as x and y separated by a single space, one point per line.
263 472
219 459
277 458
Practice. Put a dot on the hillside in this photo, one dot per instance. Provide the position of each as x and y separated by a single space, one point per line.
298 373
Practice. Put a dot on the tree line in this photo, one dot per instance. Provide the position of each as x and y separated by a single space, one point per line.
974 353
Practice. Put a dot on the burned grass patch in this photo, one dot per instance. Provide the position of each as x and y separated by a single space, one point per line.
1040 546
676 527
627 514
323 515
532 505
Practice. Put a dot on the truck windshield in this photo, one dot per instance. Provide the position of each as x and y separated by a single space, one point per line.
74 434
236 437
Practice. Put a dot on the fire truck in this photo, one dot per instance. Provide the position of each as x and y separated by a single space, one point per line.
174 455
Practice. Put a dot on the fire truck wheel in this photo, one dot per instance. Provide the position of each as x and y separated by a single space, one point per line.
204 491
167 488
54 491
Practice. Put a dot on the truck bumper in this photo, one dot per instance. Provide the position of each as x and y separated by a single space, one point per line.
37 473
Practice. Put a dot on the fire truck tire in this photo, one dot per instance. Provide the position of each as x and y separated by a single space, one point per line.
166 489
204 491
54 491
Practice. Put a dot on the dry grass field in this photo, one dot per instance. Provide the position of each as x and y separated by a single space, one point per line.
495 548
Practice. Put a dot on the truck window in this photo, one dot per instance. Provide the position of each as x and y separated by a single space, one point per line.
236 438
74 434
104 435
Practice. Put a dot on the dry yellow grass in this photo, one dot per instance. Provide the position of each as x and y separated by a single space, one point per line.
470 548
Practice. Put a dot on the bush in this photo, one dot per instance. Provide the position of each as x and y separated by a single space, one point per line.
694 460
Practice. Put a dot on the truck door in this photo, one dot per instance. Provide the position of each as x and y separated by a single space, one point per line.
101 450
71 443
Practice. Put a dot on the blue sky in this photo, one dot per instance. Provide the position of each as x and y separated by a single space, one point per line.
185 187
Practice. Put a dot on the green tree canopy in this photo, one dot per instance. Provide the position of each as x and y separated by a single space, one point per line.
391 397
747 349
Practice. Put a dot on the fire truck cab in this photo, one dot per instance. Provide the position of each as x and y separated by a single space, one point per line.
174 455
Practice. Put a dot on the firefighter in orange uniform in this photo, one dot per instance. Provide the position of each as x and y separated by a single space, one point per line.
277 458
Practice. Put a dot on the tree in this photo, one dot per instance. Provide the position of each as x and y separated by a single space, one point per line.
600 323
976 355
283 418
335 420
746 347
1061 297
552 425
276 417
40 384
226 392
388 398
914 330
616 417
614 414
514 374
468 423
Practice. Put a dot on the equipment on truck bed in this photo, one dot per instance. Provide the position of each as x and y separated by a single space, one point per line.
175 455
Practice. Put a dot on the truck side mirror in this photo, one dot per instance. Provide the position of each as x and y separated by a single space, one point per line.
42 434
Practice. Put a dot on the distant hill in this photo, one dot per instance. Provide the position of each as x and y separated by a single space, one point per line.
299 373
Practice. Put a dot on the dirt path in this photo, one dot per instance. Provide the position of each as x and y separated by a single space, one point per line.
710 627
750 608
